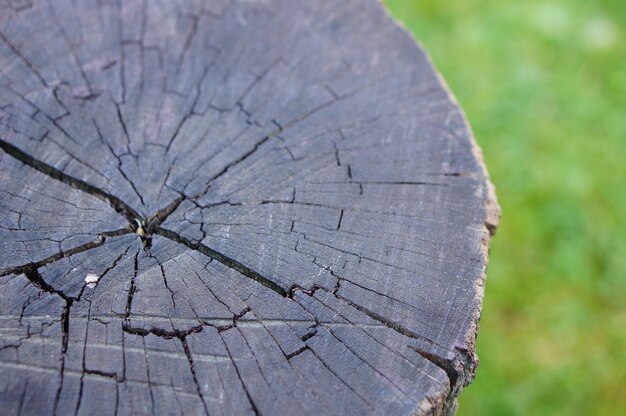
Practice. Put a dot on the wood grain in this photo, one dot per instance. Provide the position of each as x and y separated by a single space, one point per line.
233 207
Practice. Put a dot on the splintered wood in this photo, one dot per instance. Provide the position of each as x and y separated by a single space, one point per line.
231 207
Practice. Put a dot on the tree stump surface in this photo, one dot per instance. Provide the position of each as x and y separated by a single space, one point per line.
233 207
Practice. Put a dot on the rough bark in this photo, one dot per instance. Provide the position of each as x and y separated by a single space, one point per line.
229 207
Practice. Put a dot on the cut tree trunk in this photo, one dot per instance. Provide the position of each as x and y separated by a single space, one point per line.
230 207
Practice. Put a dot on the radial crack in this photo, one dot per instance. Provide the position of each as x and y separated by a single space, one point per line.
225 260
67 253
193 372
117 204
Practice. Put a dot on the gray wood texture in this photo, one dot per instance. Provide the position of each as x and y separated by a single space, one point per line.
233 207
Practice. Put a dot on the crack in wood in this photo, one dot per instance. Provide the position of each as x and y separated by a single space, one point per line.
117 204
192 367
99 241
227 261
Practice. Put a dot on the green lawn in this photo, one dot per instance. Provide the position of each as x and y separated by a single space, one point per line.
543 84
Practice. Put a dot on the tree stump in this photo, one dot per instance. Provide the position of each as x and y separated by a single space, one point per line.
231 207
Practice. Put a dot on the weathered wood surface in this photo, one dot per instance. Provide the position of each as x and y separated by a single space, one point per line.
232 207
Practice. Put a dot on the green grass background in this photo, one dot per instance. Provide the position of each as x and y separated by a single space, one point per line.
543 83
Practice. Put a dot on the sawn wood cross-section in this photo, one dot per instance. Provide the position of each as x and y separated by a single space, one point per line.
233 207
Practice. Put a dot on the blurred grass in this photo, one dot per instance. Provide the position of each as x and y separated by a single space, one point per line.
543 84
